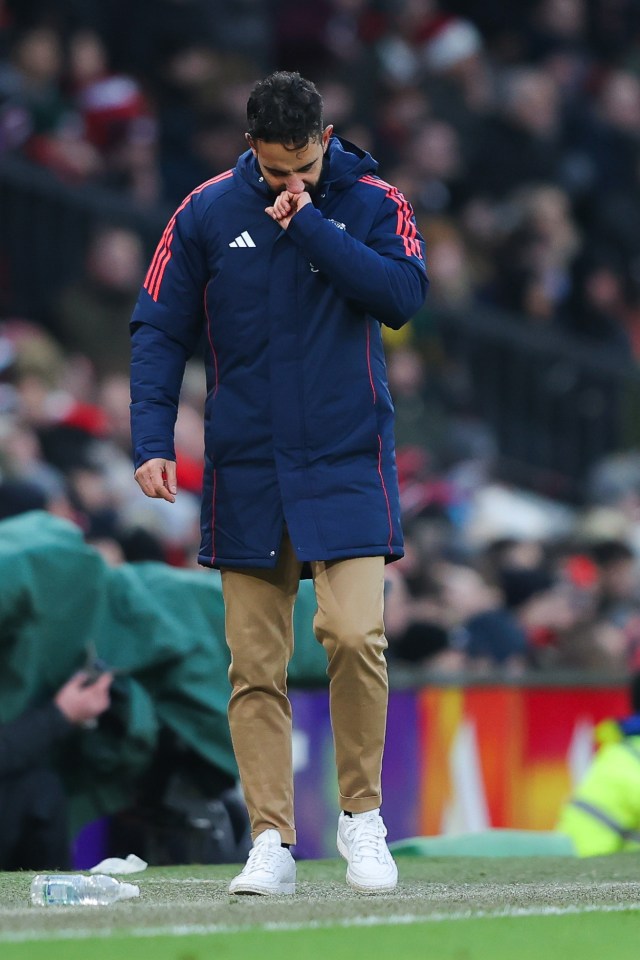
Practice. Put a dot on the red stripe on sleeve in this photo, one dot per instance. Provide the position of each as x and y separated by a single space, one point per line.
162 255
163 260
405 226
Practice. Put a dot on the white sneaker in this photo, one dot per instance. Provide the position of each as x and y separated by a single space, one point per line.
269 870
361 841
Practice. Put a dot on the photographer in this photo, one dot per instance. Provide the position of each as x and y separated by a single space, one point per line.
34 831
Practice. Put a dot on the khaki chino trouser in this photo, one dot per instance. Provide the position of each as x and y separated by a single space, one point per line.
349 625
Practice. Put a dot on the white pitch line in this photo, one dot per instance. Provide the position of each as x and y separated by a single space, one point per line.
401 919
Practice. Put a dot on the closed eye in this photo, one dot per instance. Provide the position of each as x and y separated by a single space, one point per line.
286 173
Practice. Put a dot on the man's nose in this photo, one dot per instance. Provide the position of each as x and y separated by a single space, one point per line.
295 184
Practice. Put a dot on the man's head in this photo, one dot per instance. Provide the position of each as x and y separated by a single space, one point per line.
284 114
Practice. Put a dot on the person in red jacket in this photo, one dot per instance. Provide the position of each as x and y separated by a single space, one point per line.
291 261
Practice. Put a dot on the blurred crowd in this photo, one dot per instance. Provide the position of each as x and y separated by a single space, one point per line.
514 129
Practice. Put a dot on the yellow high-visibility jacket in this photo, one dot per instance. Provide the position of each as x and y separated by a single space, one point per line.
603 814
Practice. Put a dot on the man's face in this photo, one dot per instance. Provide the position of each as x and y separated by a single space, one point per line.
284 168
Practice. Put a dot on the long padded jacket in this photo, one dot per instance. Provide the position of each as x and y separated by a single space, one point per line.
298 416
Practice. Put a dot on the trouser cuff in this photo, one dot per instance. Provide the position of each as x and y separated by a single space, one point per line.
286 835
360 804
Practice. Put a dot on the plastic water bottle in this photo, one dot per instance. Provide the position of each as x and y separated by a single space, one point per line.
76 889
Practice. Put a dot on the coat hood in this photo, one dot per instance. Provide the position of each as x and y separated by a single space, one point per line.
344 164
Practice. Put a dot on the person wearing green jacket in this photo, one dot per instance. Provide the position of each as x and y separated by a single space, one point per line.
603 814
34 829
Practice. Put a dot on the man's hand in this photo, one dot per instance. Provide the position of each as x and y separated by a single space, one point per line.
157 478
286 205
81 701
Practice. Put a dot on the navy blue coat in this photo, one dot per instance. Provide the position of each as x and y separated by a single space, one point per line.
298 417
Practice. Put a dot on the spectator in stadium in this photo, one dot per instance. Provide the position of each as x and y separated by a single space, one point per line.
451 269
117 119
51 134
294 252
34 833
619 580
486 633
413 613
522 142
92 314
599 308
434 157
533 275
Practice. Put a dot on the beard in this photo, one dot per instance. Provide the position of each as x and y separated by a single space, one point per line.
313 189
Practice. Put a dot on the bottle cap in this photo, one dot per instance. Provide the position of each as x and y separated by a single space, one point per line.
128 891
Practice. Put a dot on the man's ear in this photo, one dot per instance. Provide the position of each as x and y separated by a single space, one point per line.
251 143
327 133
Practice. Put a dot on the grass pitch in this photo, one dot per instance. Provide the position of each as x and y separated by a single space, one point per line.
445 908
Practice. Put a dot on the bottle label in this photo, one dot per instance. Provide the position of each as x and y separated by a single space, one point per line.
55 892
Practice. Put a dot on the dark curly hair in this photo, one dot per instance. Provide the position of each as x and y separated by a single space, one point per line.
285 108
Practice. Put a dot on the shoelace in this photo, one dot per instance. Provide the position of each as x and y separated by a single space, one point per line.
367 837
263 857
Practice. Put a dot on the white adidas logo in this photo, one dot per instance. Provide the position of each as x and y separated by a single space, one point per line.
244 240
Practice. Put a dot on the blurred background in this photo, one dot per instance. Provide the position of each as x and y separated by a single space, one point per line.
514 130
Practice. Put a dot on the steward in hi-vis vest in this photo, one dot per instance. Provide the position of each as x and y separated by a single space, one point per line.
603 814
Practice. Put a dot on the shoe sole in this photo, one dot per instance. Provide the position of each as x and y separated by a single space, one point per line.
254 889
361 888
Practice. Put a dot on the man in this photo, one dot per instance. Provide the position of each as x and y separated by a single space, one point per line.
34 832
290 262
603 814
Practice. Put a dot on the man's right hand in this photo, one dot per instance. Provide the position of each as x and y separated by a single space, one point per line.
157 478
82 701
287 204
